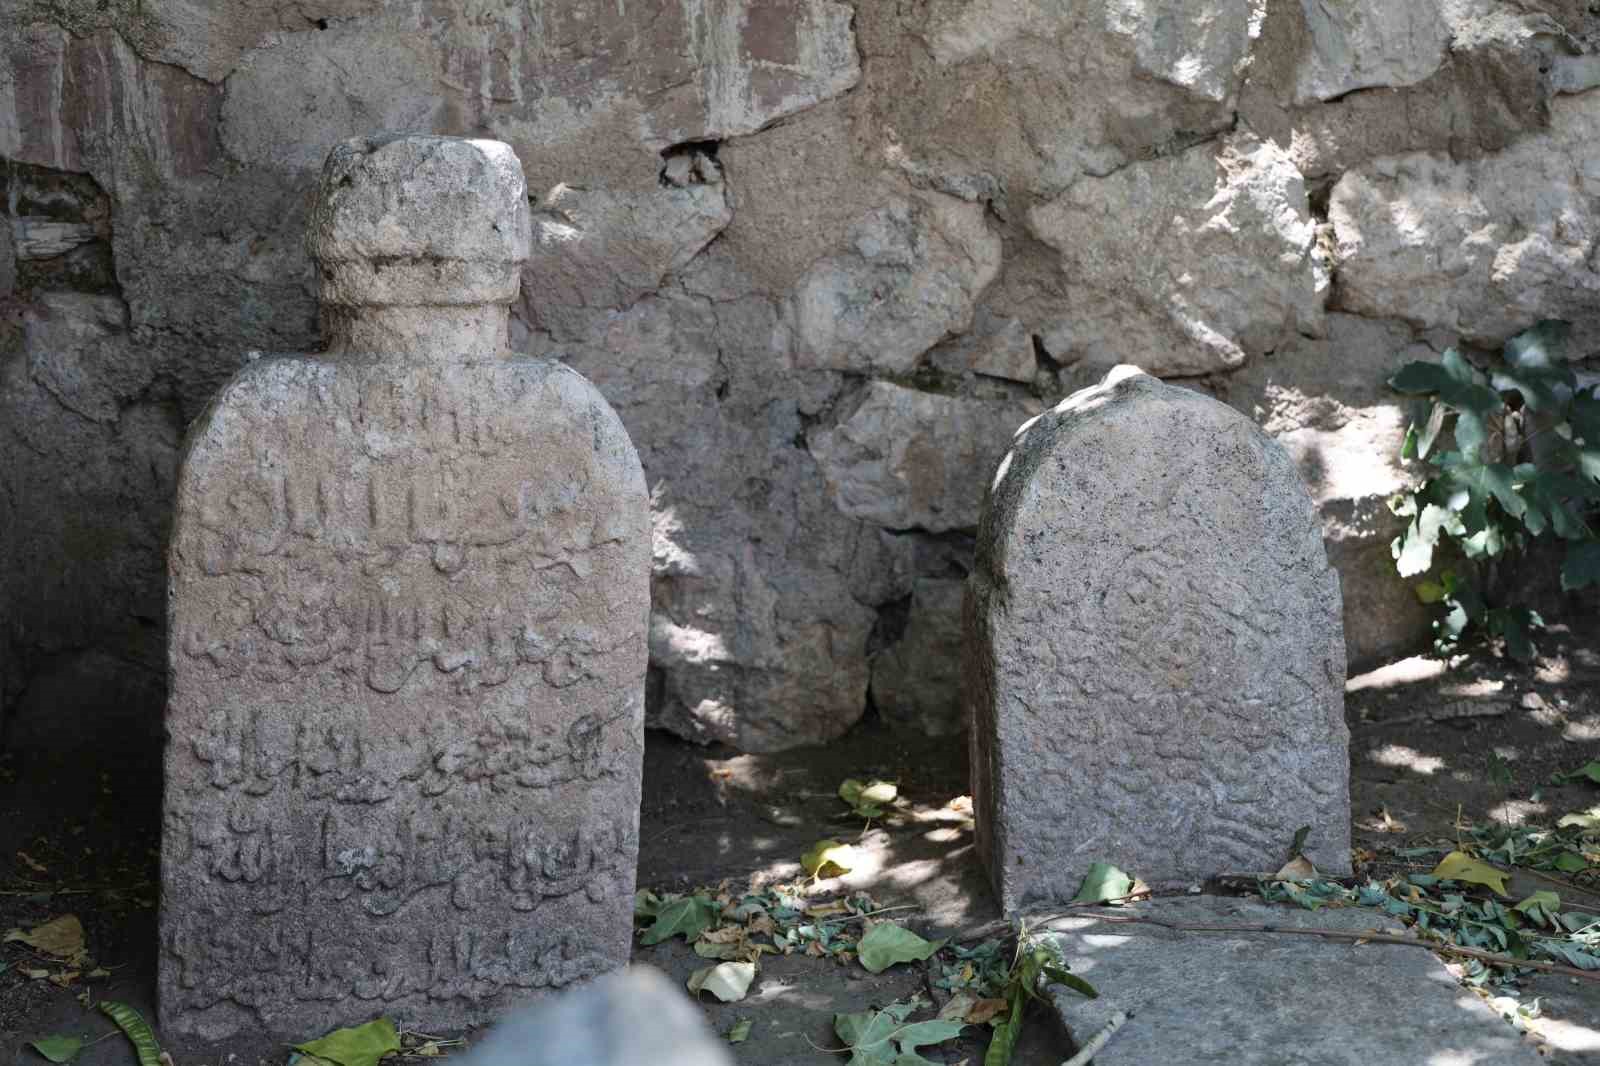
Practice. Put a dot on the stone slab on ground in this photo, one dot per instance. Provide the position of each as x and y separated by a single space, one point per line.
1267 998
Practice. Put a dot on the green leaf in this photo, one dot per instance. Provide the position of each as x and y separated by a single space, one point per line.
881 1038
1582 566
137 1030
1569 953
1483 481
1004 1041
1570 862
1544 900
1419 378
1537 347
1515 626
886 944
358 1045
1071 980
1429 592
1429 434
924 1034
1459 866
1413 550
57 1047
1471 434
646 904
740 1032
1590 770
687 917
1584 414
1103 882
867 1033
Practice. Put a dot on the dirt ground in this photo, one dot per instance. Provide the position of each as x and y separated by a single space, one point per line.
80 820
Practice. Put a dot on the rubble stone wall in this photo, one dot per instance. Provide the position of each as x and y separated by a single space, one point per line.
820 255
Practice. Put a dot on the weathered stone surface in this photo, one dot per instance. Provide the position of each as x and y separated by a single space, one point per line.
1255 1006
995 347
629 1019
913 274
408 607
1362 44
916 681
908 459
204 37
1154 658
762 600
1493 90
608 248
1482 249
1214 260
557 75
698 172
1327 402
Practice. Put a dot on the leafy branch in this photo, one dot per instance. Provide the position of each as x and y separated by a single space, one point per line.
1525 467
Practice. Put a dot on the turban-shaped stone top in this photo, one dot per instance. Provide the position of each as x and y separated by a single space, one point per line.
415 220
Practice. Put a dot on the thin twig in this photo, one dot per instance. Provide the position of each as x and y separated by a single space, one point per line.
868 914
1092 1048
979 932
1373 937
1579 889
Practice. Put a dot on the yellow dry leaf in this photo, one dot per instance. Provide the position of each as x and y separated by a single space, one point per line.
1459 866
728 934
828 858
1298 868
61 937
984 1009
958 1006
762 923
828 910
65 978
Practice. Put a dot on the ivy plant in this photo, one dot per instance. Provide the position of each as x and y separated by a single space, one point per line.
1509 455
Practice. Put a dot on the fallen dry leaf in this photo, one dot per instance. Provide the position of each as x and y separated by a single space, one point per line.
61 937
984 1009
32 863
1298 868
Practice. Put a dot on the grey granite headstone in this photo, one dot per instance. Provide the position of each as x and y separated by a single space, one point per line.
409 595
1154 658
1268 999
636 1018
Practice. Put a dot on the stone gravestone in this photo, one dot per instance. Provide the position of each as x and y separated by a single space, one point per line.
409 588
1154 657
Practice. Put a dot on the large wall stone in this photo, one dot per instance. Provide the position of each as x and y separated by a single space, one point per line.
1215 259
751 217
1485 248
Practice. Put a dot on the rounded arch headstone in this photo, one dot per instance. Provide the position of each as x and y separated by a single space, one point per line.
409 588
1154 652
